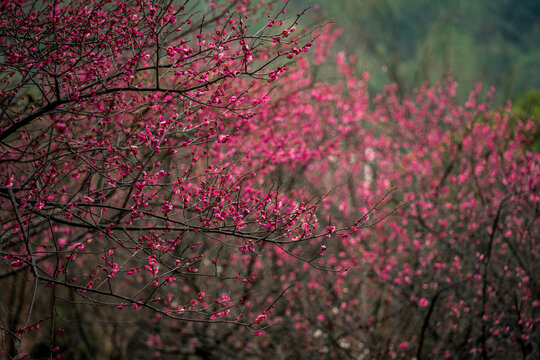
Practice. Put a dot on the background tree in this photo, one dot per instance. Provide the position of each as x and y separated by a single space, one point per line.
451 272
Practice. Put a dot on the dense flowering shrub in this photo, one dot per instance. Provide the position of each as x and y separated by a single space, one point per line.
178 185
448 267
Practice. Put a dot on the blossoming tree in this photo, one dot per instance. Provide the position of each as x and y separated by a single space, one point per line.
116 188
446 268
179 183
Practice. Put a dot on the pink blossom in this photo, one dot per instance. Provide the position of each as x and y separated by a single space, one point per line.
403 345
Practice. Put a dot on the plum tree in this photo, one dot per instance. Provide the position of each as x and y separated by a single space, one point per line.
177 182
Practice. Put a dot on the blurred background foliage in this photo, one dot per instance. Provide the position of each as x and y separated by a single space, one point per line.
412 41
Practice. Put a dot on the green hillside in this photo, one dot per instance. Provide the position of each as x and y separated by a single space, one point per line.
410 41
